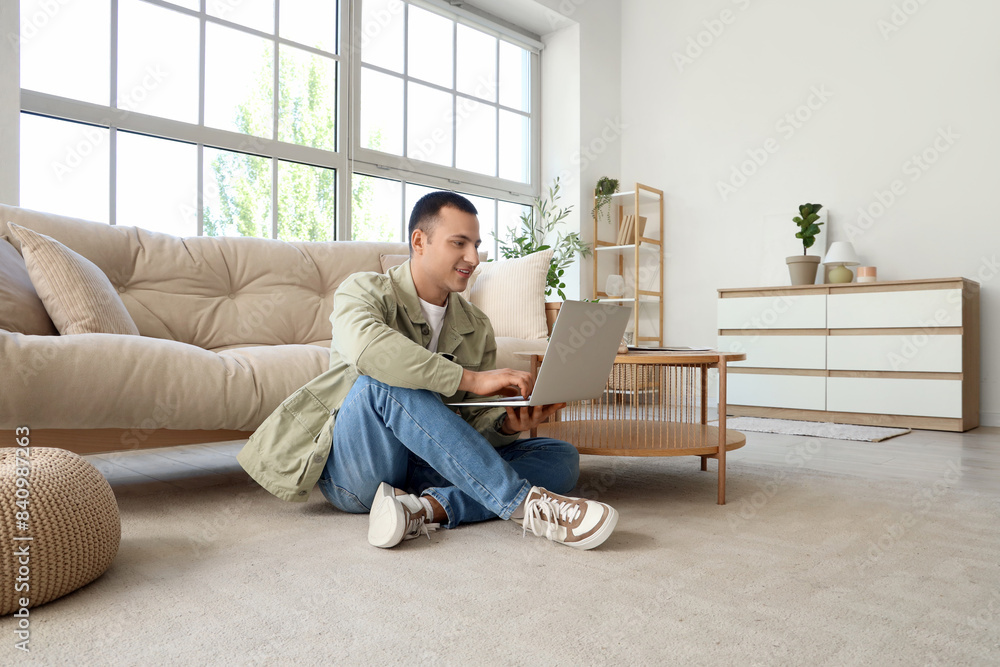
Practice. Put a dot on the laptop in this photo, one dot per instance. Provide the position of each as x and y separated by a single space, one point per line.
578 359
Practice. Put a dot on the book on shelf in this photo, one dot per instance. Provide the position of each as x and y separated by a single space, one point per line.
625 229
631 229
639 226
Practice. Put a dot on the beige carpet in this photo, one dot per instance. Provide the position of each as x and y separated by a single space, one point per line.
799 568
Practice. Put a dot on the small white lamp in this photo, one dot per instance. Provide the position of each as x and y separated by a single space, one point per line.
840 256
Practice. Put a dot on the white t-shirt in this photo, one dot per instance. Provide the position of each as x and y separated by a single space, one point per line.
434 316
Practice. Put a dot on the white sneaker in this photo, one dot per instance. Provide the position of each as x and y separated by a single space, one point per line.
396 516
575 522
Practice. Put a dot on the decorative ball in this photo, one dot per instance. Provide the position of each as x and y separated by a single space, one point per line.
70 514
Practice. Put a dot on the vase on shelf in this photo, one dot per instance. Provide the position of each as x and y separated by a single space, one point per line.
614 286
802 268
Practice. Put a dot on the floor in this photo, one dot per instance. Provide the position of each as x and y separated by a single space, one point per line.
919 455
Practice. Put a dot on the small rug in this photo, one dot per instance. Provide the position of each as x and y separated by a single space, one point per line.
817 429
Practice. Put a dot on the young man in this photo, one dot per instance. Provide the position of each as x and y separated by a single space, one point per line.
375 430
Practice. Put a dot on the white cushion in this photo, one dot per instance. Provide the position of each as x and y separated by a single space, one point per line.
512 294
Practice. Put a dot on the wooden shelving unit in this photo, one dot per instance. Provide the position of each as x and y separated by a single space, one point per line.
646 252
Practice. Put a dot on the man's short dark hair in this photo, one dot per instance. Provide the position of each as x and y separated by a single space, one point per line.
425 213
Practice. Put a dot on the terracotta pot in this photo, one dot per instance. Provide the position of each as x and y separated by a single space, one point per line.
551 313
802 268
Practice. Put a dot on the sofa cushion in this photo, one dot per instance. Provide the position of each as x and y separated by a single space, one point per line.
389 261
77 295
20 308
144 384
512 294
215 292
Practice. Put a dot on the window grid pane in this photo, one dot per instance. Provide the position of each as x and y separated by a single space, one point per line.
306 202
376 214
307 109
381 37
309 22
64 167
239 81
429 124
256 14
459 128
464 126
381 112
237 194
157 184
65 48
157 61
430 53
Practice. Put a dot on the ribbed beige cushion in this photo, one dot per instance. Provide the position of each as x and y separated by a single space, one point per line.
77 295
512 294
20 308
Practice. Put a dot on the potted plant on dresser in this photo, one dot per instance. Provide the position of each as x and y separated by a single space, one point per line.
802 268
536 225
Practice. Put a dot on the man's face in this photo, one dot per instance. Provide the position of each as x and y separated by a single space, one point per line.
450 254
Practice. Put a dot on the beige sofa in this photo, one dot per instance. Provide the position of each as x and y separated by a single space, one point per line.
229 327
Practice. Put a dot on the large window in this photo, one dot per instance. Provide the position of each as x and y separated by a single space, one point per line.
382 206
224 117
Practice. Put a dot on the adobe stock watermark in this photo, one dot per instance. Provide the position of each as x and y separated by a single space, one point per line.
899 16
912 344
32 23
579 335
222 8
423 148
786 126
748 508
565 9
767 318
914 168
920 504
376 22
611 132
704 39
151 79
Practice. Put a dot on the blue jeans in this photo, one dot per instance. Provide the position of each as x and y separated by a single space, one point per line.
412 440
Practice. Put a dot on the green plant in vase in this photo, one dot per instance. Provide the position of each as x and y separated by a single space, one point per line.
802 268
808 227
536 225
603 193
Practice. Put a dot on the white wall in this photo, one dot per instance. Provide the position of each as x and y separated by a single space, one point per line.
884 87
581 112
561 129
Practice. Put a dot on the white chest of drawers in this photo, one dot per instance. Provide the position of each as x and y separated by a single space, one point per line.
900 353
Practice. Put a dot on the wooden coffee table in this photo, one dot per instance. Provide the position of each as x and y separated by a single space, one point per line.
655 404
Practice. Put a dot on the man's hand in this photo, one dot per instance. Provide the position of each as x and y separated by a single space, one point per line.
527 418
488 383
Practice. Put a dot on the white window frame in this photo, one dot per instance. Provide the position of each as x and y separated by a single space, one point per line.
346 160
404 167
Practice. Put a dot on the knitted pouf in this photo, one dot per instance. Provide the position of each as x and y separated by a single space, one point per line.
71 516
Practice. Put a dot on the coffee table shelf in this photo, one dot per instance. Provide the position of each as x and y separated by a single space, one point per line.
655 404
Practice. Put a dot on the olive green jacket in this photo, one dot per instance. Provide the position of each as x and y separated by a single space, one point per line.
379 330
